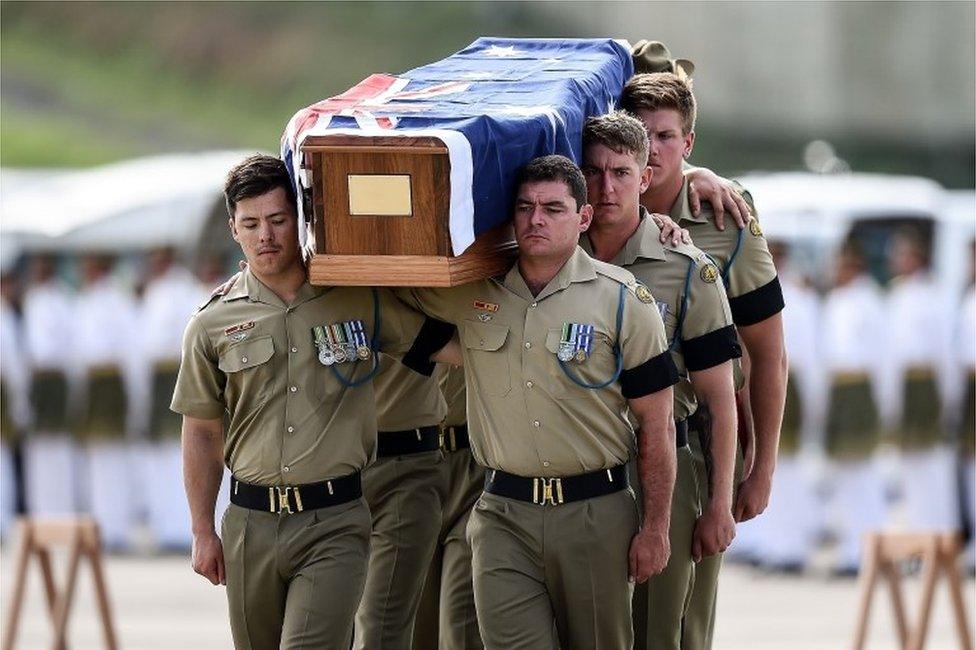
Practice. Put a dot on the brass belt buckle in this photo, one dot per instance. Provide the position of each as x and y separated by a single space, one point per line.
551 492
283 502
448 442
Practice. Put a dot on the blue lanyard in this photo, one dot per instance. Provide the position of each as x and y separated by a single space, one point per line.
616 352
374 346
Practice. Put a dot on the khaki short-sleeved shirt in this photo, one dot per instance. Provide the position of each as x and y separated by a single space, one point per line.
689 293
291 420
452 386
525 415
742 256
406 399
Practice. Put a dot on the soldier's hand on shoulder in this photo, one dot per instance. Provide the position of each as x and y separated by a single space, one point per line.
649 553
670 231
207 558
704 184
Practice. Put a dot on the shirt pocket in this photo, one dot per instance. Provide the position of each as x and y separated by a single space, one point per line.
598 367
248 369
487 356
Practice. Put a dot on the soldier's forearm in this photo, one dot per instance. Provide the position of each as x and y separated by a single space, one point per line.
767 390
203 469
656 466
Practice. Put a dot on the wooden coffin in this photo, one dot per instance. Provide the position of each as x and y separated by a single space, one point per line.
381 208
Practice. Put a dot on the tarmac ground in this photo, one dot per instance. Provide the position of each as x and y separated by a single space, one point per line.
159 603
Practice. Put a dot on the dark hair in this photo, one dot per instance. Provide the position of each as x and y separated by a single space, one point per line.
620 132
254 176
660 90
555 168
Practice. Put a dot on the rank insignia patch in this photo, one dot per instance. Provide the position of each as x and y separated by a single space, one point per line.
576 342
643 294
240 327
709 273
754 228
485 306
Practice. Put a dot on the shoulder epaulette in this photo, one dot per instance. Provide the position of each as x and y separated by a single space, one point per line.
615 273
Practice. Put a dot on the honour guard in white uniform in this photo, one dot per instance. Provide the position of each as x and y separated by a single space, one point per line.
965 402
853 327
172 296
14 408
791 521
52 462
919 331
105 352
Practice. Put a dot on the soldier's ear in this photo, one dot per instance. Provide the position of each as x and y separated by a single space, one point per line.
647 175
586 217
233 229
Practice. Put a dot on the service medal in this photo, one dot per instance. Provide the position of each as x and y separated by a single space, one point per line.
580 356
363 352
326 357
339 353
565 352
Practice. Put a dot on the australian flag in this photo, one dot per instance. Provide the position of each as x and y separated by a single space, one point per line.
496 105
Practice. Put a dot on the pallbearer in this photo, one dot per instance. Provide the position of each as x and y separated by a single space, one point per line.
664 102
14 406
446 618
557 532
300 425
690 297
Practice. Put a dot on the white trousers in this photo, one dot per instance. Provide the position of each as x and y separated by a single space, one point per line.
169 515
111 489
857 506
53 466
8 491
929 489
790 521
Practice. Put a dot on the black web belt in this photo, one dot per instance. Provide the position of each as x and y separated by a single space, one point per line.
408 441
556 490
296 498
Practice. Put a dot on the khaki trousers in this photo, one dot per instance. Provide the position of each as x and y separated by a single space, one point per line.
446 618
661 603
699 624
294 580
553 576
406 501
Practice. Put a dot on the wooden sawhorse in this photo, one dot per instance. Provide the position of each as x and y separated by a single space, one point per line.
37 538
939 554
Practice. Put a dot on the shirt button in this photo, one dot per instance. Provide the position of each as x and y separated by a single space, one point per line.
294 350
528 346
286 469
545 463
291 429
294 389
534 305
528 384
243 359
536 424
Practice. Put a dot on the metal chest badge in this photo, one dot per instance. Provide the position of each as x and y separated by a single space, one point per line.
341 342
576 342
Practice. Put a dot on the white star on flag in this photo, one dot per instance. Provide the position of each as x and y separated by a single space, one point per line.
503 52
477 76
532 111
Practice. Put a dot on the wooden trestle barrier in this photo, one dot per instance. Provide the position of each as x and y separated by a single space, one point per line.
939 554
37 538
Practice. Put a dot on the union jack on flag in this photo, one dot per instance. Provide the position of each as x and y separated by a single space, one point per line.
496 105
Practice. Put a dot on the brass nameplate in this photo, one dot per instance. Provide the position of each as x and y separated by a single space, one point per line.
385 195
